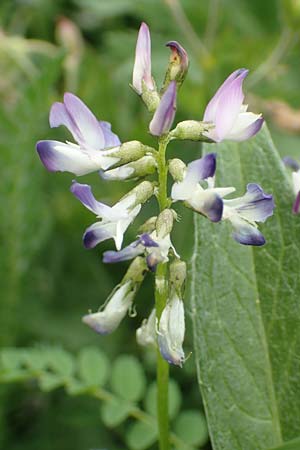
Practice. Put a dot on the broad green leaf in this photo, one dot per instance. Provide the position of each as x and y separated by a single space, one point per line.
93 366
174 399
127 378
115 412
140 436
291 445
60 361
190 426
246 311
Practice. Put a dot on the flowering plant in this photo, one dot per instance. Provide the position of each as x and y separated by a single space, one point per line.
98 148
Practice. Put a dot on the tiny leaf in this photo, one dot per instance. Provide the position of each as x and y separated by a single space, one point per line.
140 436
93 366
191 427
127 378
114 413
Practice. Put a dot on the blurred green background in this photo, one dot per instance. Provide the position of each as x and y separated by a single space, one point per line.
48 280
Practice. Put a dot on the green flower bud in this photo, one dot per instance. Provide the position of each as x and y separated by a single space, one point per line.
192 130
177 169
142 193
164 223
130 151
148 226
136 272
139 168
177 276
150 97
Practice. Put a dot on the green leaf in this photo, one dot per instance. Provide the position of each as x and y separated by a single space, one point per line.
60 361
190 426
11 358
290 445
174 399
140 436
245 310
127 378
49 381
114 413
93 366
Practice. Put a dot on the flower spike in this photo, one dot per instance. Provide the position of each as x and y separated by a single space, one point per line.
227 112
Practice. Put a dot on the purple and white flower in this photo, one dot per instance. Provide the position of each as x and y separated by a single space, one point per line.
142 64
292 164
116 308
156 248
243 213
95 142
164 115
114 220
207 201
226 111
171 331
146 333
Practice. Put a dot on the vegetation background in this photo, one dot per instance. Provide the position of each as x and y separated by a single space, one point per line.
47 279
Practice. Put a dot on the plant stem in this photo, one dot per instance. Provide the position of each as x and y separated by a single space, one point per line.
161 295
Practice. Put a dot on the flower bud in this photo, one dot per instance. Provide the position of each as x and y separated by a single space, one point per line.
128 152
142 192
139 168
148 226
192 130
171 331
164 115
177 275
146 333
164 223
120 300
177 169
178 64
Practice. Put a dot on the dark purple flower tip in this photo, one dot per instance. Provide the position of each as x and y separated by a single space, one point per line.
147 241
214 210
90 239
178 51
291 163
47 155
249 236
296 205
202 168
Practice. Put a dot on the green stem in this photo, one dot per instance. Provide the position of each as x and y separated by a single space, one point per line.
161 295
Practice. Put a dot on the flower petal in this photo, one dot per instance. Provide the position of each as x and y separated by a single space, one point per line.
208 203
245 233
171 332
142 63
111 139
296 205
247 125
107 320
164 115
211 109
91 134
202 168
229 106
146 240
254 206
98 232
146 334
291 163
84 194
127 253
57 156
